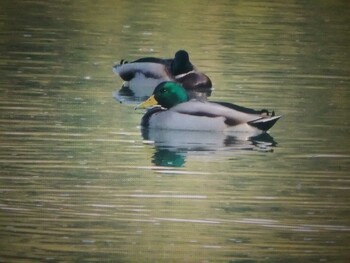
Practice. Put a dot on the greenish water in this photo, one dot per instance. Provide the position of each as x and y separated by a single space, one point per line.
80 182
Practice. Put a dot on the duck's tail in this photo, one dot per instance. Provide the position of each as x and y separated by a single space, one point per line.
264 123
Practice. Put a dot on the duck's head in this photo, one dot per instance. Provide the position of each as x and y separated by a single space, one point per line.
167 94
181 63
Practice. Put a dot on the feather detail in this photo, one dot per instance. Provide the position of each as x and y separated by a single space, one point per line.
209 109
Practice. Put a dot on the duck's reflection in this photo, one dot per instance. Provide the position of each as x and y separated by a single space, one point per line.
132 96
168 157
173 147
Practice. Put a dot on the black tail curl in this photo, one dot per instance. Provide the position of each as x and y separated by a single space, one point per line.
265 111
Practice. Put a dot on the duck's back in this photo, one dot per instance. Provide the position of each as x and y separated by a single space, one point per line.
166 62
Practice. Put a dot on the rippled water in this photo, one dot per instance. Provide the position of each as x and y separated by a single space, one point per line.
80 182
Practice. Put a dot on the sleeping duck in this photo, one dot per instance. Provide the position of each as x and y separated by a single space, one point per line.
143 75
175 111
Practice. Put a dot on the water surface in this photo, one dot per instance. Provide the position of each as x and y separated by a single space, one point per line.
80 182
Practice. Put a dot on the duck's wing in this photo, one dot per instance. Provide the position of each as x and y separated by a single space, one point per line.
231 116
240 108
265 122
194 80
128 71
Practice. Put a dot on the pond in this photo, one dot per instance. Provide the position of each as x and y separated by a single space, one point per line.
80 181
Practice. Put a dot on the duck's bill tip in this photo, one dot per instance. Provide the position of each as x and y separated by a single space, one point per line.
151 101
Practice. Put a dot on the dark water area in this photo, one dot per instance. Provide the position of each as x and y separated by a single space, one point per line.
80 181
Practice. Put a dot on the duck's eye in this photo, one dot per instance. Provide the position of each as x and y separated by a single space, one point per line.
162 91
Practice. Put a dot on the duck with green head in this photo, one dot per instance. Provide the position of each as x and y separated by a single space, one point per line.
175 111
142 75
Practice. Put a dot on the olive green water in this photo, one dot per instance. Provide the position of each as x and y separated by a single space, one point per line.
79 182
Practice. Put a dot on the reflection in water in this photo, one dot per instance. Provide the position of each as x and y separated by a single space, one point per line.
172 146
167 157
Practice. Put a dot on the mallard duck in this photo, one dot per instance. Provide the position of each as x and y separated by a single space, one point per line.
143 75
175 111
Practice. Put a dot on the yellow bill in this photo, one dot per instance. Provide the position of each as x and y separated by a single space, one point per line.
151 101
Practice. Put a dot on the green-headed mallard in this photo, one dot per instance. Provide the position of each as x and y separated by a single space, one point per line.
143 75
175 111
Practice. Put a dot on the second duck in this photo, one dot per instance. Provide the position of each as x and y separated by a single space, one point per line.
143 75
